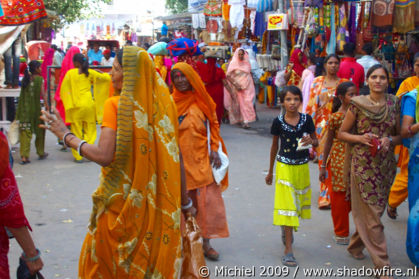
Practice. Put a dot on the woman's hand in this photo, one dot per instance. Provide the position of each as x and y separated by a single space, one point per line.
385 144
366 138
35 266
322 174
268 178
54 123
215 159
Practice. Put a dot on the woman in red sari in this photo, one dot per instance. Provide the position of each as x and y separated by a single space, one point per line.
214 79
65 66
12 218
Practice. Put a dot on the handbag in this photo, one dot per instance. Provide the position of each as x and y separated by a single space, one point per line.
13 133
193 253
23 271
221 172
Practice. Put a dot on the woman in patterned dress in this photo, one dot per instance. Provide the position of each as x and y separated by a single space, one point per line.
372 128
334 155
320 108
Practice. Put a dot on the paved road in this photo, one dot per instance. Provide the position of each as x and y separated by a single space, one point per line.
56 193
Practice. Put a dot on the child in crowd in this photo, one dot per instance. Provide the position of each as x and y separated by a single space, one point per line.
334 154
292 192
29 111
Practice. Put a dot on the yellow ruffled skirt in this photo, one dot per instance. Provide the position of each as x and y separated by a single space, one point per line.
292 195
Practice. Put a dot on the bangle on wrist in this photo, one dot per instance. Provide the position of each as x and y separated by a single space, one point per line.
390 139
189 205
65 136
32 259
79 147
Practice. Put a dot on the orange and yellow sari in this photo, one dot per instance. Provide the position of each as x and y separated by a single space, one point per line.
134 229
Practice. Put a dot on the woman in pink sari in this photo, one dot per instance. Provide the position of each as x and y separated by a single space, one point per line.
48 59
65 66
240 92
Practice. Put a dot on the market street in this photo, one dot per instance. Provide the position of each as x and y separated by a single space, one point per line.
56 194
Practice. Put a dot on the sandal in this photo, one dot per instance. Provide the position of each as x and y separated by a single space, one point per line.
289 260
341 240
245 126
392 212
42 157
358 257
211 254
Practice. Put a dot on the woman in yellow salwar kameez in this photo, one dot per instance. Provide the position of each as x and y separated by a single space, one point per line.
398 192
134 229
82 109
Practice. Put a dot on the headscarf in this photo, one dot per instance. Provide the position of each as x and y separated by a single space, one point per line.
200 96
237 64
298 67
134 229
65 66
48 59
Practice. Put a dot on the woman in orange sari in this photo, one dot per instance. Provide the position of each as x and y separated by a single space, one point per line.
197 110
134 229
322 93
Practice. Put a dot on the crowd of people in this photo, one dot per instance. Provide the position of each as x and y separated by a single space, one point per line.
160 136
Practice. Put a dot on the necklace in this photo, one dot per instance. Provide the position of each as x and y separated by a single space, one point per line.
373 101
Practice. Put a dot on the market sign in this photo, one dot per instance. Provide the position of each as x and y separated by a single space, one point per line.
277 22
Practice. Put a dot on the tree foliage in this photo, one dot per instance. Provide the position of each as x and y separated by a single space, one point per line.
69 11
177 6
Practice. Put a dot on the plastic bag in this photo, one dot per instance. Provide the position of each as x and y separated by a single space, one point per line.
220 173
13 133
193 253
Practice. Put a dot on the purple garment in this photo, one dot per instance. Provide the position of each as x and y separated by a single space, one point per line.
352 24
313 3
260 24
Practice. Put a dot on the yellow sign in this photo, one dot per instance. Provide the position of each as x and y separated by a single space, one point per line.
277 22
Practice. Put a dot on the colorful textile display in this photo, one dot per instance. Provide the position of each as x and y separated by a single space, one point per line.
383 12
18 12
213 8
404 16
1 12
183 46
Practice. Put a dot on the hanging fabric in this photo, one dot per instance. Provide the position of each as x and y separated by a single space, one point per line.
313 3
1 11
17 12
352 23
260 24
360 29
368 35
383 12
265 6
213 8
404 16
253 4
226 11
237 16
331 46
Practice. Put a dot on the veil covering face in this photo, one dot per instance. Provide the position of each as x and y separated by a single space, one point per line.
134 229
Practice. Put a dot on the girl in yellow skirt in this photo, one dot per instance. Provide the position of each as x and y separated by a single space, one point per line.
292 191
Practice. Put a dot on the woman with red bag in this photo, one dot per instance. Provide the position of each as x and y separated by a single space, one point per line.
372 128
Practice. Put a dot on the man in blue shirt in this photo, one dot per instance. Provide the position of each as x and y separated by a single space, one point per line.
164 29
95 54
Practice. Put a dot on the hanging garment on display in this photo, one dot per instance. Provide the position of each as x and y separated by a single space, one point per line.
352 23
341 37
265 5
198 21
368 35
360 29
313 3
404 16
237 16
18 12
331 46
1 11
252 21
213 8
253 4
226 11
260 24
383 12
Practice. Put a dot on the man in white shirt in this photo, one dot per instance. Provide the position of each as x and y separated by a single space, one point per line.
107 60
367 61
